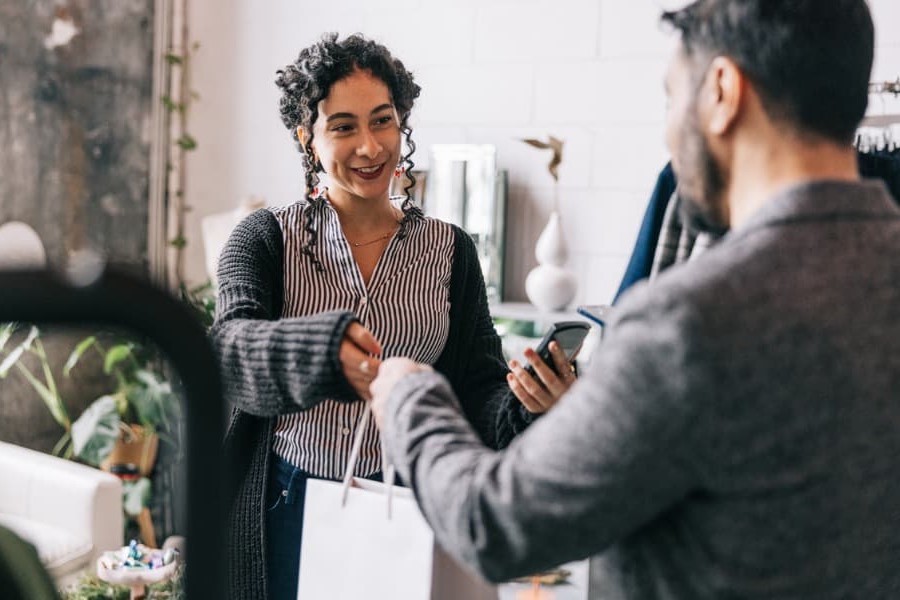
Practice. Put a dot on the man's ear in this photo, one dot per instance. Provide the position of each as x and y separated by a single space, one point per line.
724 90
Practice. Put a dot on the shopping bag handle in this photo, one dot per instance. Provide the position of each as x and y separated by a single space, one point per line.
388 472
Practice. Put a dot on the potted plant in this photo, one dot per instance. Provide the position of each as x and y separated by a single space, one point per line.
120 430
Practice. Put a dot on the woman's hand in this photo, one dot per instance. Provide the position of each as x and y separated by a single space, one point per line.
539 395
358 354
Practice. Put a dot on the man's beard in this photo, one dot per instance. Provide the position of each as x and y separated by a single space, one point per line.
701 182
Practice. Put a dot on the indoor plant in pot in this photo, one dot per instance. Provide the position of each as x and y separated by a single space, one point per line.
120 430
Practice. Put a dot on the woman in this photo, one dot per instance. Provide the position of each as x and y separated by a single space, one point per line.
313 294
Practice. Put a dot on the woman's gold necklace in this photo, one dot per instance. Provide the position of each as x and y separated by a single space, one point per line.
380 238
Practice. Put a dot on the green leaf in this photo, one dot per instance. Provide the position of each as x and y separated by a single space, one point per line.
6 331
173 59
45 366
186 142
114 356
179 242
152 399
172 106
63 444
95 432
13 357
53 401
77 353
136 496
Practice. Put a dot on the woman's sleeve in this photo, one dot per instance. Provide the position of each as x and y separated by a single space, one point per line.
484 393
271 365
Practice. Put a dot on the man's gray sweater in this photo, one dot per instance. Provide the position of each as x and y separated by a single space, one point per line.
736 435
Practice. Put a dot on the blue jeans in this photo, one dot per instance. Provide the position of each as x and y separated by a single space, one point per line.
284 528
285 495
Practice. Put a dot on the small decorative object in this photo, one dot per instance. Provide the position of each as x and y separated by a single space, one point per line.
137 566
550 286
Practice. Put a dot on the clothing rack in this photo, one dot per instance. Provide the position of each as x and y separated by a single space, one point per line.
883 88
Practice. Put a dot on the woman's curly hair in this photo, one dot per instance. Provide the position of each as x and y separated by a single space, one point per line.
308 80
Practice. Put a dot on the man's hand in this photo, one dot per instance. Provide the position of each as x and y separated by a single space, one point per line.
390 373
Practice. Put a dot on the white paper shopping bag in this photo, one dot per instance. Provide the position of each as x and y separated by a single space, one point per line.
353 549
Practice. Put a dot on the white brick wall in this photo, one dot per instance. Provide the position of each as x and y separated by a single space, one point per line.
493 71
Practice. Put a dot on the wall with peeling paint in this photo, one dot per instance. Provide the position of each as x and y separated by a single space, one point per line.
75 103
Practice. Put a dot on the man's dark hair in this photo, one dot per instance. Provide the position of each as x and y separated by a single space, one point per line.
809 60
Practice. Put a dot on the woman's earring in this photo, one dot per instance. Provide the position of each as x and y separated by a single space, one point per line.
400 170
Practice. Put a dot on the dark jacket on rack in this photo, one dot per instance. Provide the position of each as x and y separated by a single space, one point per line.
645 246
873 165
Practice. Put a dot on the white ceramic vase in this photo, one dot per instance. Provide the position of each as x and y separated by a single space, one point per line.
550 286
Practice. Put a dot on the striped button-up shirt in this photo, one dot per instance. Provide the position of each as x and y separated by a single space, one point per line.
405 305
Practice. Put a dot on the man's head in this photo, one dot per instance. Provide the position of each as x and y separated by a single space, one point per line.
796 69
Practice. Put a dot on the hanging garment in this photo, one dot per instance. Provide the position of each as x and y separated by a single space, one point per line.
883 165
664 241
641 261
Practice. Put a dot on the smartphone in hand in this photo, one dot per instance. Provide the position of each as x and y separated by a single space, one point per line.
570 337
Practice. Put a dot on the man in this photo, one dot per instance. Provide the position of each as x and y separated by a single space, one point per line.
737 433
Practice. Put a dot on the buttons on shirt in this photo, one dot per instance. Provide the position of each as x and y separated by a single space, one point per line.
345 431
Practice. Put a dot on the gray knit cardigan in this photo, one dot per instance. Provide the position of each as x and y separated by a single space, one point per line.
273 365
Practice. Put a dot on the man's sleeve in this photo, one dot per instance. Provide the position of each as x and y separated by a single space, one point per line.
620 448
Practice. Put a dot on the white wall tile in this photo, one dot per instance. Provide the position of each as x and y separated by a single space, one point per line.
568 93
631 29
601 279
632 91
476 95
628 157
527 31
886 14
602 221
887 64
602 91
427 35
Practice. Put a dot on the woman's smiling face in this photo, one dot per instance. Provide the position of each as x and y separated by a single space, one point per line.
356 137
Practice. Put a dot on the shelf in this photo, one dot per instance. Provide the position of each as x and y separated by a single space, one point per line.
524 311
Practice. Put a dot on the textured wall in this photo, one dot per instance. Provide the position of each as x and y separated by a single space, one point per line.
75 101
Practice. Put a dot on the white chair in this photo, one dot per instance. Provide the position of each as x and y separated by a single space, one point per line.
71 513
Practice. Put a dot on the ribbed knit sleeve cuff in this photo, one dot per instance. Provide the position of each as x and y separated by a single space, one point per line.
512 420
273 367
